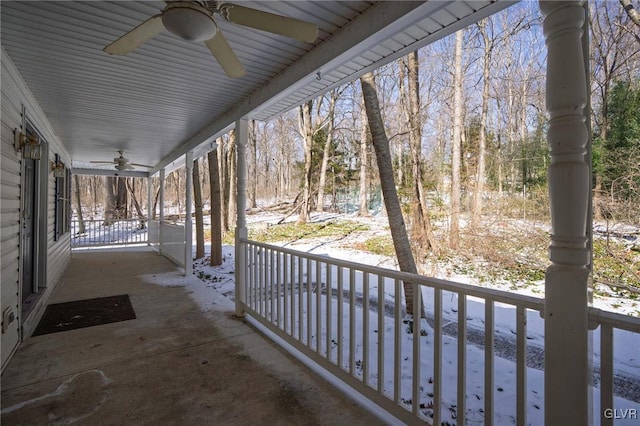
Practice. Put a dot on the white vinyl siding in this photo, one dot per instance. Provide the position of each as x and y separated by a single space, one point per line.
15 94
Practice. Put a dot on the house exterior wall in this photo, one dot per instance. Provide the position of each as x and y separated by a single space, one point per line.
15 96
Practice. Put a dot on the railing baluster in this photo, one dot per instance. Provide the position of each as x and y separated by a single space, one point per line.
318 308
285 292
521 366
352 318
329 300
606 374
252 278
256 278
437 355
309 316
397 340
278 284
415 377
247 283
462 359
300 299
292 283
273 285
340 310
488 362
268 312
380 333
365 327
262 273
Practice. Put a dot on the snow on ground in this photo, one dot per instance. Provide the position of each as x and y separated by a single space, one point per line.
214 281
626 355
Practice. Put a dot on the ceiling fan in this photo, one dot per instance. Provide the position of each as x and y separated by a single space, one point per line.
193 20
121 163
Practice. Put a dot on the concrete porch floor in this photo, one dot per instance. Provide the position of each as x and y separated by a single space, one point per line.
173 365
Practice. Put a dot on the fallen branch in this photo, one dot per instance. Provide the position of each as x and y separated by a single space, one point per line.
626 287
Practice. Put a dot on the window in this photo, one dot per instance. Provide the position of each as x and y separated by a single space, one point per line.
62 218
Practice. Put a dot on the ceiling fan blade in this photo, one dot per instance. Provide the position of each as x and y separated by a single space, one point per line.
134 38
140 165
225 56
101 162
277 24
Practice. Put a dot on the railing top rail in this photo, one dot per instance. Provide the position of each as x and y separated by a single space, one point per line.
528 302
129 219
616 320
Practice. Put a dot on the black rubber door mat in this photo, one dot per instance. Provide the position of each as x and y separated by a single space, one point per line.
85 313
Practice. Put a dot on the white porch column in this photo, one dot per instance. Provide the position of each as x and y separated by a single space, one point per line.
188 222
161 215
242 137
567 366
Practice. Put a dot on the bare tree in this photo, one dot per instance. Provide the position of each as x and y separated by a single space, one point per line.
306 130
421 230
223 182
454 231
231 196
216 208
130 183
253 164
476 206
109 201
197 199
81 227
392 203
364 160
333 96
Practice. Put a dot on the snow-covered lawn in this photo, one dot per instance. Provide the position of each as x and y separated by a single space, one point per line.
626 354
208 282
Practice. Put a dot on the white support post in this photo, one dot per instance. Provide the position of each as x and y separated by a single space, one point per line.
567 369
188 222
161 215
242 136
149 207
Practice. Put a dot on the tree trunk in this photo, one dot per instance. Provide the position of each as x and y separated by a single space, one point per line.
364 160
422 234
476 207
454 230
216 209
385 168
155 204
81 227
631 11
223 183
306 130
197 200
109 201
253 175
231 200
325 153
136 205
94 183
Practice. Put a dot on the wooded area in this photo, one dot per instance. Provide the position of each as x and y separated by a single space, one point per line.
464 126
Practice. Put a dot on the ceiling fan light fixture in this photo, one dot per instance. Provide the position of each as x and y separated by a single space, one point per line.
189 21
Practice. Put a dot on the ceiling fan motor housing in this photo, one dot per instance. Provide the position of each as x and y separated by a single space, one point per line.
189 21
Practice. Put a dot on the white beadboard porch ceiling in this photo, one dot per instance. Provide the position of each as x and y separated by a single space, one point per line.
170 96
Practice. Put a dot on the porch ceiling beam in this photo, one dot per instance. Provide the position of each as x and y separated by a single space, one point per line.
102 172
380 22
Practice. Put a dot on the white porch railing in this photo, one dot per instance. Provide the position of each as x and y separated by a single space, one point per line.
610 323
347 317
172 242
120 232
